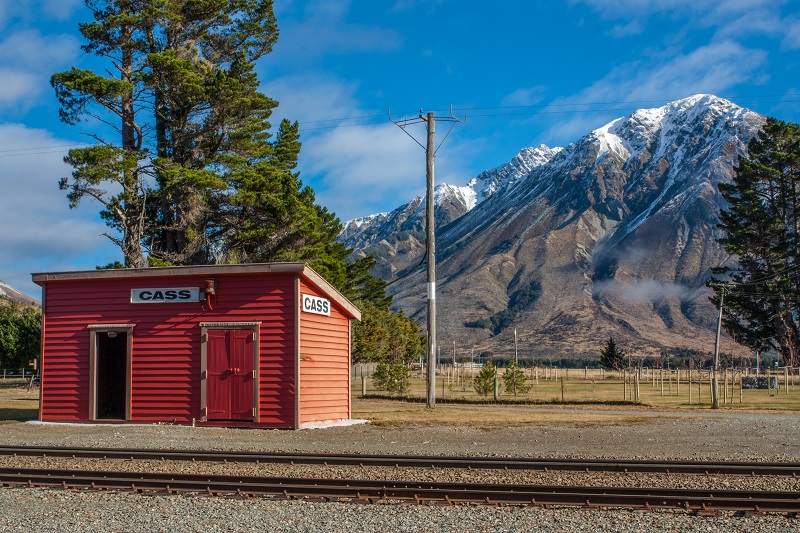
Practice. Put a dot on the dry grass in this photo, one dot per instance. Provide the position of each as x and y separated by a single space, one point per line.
397 413
582 391
17 404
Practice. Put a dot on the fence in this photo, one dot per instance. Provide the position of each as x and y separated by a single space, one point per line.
17 373
648 385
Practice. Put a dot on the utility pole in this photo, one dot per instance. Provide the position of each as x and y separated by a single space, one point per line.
430 239
430 233
714 387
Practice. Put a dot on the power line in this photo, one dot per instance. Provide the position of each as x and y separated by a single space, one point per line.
542 109
475 112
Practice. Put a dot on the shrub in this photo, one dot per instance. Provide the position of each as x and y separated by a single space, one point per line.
392 378
484 381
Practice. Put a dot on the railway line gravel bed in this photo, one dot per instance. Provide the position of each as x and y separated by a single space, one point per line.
716 436
48 511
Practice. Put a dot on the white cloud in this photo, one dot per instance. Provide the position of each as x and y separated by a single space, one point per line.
713 69
524 96
27 60
792 39
312 97
38 231
363 167
730 19
324 30
17 85
353 165
359 163
35 11
648 290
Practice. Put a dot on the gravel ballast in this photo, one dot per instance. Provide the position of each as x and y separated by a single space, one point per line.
59 511
696 435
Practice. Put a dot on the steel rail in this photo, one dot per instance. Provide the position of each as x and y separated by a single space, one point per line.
703 500
419 461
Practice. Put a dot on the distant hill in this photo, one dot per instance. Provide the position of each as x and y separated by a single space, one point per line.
613 235
8 292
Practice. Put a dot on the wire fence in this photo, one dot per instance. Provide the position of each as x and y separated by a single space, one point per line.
655 386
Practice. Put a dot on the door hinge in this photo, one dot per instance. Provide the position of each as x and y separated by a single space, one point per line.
254 412
254 374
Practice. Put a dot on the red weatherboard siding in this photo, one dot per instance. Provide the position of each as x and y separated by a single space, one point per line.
165 365
324 363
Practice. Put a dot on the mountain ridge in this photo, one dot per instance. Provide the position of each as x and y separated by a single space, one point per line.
7 292
618 231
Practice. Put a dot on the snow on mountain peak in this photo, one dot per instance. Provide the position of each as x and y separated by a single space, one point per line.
467 197
505 175
627 136
610 141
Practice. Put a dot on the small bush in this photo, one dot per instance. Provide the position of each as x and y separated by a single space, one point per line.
392 378
484 381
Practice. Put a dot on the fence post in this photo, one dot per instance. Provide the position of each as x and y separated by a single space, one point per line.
700 387
740 386
562 390
786 378
624 387
690 385
725 385
496 388
363 385
636 385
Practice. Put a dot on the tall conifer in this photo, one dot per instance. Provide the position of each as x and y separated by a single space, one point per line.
762 232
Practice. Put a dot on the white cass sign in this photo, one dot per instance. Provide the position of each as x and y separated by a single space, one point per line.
168 295
314 304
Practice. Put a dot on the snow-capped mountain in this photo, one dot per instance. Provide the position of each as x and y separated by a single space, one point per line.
7 292
402 231
613 235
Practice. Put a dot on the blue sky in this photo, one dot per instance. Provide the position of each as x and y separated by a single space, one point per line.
523 73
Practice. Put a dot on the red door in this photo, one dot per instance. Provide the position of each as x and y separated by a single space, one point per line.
230 374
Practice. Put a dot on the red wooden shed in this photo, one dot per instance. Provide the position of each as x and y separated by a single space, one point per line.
258 345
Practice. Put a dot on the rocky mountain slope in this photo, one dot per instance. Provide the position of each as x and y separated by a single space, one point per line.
397 239
7 292
613 235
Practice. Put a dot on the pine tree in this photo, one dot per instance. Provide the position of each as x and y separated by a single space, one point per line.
385 336
483 383
762 232
185 105
514 378
200 178
612 357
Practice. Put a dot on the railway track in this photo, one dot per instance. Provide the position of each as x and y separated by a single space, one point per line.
418 461
706 501
352 490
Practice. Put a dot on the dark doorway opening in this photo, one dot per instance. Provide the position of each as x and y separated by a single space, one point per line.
112 362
